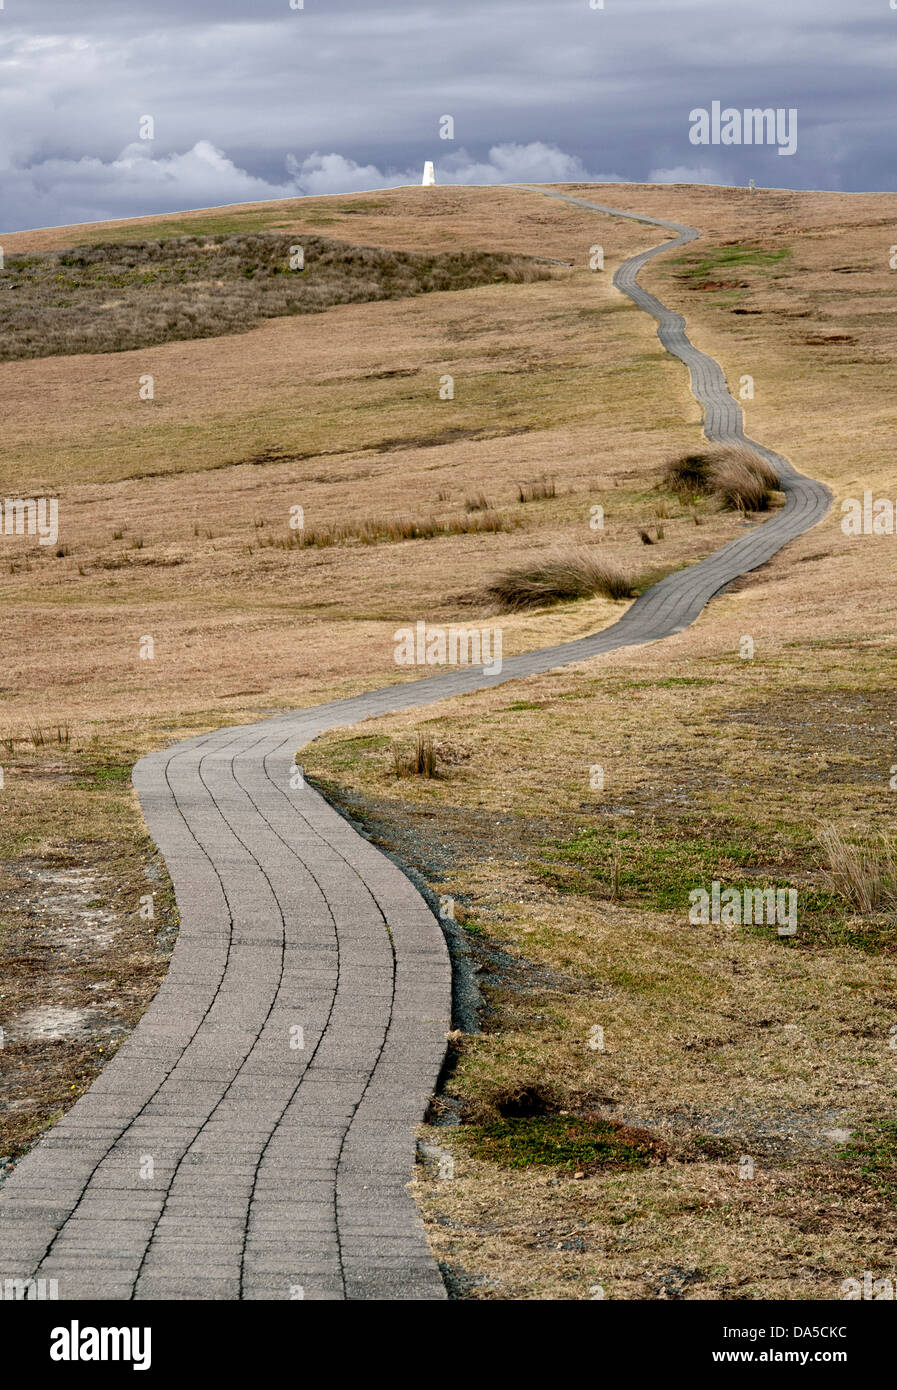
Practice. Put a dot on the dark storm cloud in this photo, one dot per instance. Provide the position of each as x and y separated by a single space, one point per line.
260 100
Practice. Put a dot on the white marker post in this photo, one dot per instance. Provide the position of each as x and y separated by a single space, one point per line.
429 177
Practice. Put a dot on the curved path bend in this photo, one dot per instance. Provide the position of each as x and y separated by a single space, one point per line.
254 1136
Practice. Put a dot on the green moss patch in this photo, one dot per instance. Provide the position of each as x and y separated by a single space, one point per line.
580 1144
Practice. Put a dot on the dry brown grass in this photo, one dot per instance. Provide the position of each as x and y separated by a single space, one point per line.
863 873
40 737
539 490
338 413
421 760
737 477
556 578
404 219
374 532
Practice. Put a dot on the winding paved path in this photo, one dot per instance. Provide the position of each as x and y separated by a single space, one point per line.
223 1153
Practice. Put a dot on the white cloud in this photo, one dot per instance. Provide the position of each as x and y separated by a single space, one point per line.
333 173
59 191
512 163
683 173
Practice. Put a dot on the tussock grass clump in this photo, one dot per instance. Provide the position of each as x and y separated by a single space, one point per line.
735 476
123 295
575 574
420 761
478 503
864 874
538 490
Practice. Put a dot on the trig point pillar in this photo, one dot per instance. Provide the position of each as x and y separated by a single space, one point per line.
429 174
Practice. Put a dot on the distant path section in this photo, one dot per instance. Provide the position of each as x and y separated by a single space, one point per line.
254 1136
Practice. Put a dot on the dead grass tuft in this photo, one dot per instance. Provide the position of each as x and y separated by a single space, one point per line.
575 574
864 873
420 761
539 490
40 736
736 476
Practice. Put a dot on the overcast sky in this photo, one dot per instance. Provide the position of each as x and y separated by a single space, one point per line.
253 99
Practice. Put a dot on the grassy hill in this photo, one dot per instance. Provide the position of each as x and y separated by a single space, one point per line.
175 512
